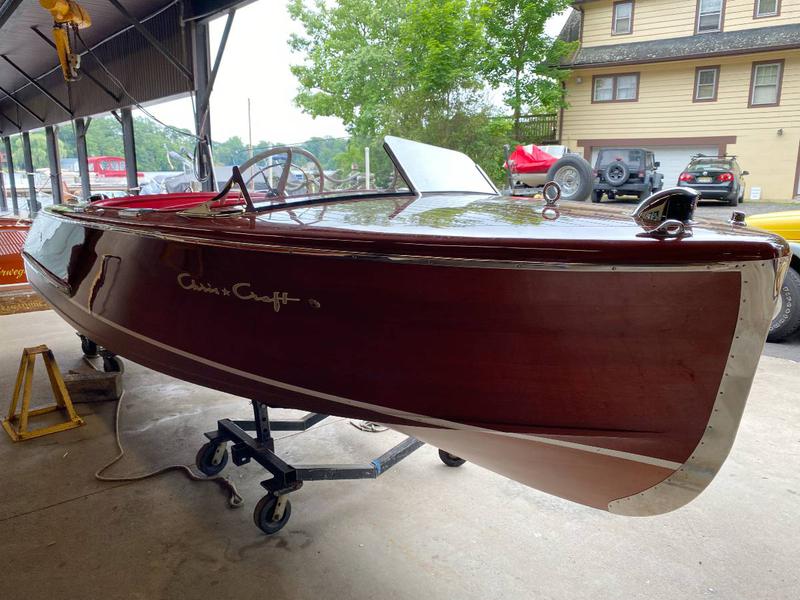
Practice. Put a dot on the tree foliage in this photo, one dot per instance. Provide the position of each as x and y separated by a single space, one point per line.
420 68
521 58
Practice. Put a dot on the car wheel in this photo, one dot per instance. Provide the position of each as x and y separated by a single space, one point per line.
787 317
646 192
733 201
573 175
597 197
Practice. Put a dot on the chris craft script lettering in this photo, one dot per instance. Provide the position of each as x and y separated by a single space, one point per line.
242 290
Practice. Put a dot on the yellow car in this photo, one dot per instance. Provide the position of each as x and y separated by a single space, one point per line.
787 225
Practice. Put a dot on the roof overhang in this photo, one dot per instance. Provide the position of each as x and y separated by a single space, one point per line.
706 45
33 92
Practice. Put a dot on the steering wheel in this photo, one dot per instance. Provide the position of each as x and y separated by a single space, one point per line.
263 163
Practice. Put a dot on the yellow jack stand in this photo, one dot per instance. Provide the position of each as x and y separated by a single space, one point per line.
24 382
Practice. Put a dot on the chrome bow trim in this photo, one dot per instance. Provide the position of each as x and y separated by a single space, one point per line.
755 314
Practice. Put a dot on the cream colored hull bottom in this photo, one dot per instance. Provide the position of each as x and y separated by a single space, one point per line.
583 476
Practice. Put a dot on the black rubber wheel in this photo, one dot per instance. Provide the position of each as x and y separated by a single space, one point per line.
787 321
646 192
597 197
451 460
113 364
205 459
617 173
264 512
573 174
733 201
88 347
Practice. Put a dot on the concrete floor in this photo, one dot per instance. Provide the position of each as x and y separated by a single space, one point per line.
420 531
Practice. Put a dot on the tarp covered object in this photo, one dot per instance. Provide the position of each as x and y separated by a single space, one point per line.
530 159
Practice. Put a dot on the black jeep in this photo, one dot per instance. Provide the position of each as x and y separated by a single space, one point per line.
625 172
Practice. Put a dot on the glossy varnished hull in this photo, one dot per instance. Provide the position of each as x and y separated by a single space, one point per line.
598 382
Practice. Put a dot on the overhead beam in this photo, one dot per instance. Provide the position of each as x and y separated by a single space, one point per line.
55 164
129 145
152 39
84 72
12 182
37 85
7 8
81 125
26 151
10 120
22 106
206 97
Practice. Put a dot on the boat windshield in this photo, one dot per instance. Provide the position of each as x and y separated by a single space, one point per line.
294 174
434 169
317 170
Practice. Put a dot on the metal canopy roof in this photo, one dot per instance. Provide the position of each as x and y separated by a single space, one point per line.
149 69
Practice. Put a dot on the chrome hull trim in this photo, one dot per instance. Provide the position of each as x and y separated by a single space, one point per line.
755 315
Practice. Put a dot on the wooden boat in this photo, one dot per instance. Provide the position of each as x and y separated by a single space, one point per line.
13 231
596 355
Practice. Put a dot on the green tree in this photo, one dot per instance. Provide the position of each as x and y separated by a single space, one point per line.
38 150
521 58
403 67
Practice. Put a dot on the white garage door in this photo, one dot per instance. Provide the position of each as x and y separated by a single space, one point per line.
673 159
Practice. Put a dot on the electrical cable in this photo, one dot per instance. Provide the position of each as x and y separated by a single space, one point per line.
234 499
200 142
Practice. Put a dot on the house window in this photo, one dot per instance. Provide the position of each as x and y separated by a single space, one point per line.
616 88
767 8
623 18
765 83
709 15
706 80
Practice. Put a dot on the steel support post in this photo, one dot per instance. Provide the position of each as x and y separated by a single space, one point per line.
54 159
129 144
3 201
12 182
83 157
202 117
26 151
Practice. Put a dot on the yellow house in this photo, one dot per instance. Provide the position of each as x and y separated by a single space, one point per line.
682 77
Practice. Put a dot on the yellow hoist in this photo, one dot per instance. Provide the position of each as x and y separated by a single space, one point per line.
68 17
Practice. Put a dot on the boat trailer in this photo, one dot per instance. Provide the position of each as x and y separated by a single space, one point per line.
274 509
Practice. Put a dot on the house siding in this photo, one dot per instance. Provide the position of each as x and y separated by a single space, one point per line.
663 19
665 111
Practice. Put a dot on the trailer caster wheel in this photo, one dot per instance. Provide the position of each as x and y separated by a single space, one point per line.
451 460
88 347
211 458
266 515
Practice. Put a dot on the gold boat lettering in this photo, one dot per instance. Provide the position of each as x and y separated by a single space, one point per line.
241 291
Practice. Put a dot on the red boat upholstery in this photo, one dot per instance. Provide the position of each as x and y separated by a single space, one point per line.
530 159
177 201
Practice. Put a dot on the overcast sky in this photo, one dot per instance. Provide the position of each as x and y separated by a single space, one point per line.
256 65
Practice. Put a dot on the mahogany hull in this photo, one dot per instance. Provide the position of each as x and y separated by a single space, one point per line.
601 383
